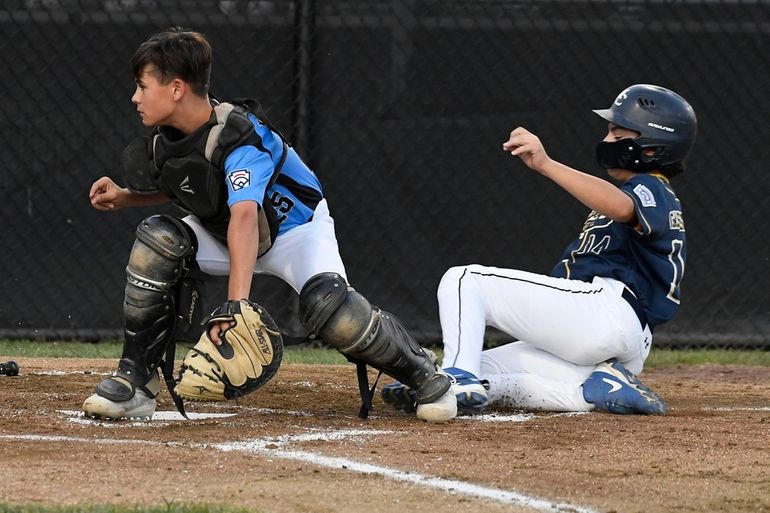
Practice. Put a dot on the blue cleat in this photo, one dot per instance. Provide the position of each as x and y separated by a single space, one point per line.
612 388
400 396
471 392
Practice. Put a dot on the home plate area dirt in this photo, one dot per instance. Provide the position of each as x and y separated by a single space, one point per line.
297 445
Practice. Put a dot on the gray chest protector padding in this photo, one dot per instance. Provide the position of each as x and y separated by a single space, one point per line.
158 262
344 319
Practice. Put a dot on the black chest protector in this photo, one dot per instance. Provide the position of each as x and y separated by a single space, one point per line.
190 170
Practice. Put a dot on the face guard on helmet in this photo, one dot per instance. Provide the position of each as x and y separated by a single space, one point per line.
665 121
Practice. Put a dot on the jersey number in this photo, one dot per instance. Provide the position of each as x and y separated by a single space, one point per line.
590 245
677 262
282 205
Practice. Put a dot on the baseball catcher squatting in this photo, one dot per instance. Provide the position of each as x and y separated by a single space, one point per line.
253 207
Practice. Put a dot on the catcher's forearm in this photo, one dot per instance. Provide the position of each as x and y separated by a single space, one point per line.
243 244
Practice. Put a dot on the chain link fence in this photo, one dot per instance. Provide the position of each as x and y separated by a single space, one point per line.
400 107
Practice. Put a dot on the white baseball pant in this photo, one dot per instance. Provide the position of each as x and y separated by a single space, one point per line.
563 328
295 256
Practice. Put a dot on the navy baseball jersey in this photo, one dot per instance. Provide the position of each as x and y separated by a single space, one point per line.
294 195
649 258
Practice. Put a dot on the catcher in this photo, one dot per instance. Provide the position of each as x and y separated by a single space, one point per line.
254 207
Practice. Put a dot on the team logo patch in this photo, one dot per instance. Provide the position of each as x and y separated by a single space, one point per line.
240 179
645 195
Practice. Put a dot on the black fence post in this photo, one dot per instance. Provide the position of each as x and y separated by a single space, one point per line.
304 23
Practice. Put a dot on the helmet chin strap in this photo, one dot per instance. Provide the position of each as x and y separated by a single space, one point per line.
624 154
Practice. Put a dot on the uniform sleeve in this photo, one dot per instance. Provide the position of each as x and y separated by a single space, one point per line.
650 204
247 174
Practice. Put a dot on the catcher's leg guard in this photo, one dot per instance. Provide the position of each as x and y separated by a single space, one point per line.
344 319
157 265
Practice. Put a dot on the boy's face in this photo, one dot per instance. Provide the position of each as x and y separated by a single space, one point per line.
616 133
154 101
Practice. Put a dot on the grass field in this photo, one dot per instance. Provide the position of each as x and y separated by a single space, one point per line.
35 349
658 359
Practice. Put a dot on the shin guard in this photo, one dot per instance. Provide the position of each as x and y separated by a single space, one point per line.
344 319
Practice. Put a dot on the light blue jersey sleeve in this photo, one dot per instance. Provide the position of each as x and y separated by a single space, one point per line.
247 173
248 170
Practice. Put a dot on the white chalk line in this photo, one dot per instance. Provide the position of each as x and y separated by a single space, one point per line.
274 448
78 418
158 418
215 405
67 373
515 417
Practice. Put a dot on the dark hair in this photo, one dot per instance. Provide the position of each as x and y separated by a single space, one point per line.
176 53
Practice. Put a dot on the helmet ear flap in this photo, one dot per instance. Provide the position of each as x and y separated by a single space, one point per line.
654 154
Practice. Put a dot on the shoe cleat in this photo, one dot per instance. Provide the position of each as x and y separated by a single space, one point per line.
470 391
613 388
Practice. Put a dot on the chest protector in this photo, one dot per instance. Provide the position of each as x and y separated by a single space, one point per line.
190 169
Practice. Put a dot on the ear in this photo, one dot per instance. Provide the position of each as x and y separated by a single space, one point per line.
651 152
178 89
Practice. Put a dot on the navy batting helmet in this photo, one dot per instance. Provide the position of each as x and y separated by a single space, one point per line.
665 122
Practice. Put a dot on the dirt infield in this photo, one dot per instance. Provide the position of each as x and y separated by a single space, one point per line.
296 445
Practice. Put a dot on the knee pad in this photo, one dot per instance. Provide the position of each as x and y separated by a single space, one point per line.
328 308
159 260
344 319
160 253
319 298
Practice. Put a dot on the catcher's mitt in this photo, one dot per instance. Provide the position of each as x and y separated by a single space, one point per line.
249 356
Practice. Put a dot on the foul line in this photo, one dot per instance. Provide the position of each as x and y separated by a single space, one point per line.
272 447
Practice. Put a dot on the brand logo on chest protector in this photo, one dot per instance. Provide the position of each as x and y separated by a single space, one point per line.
240 179
185 186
